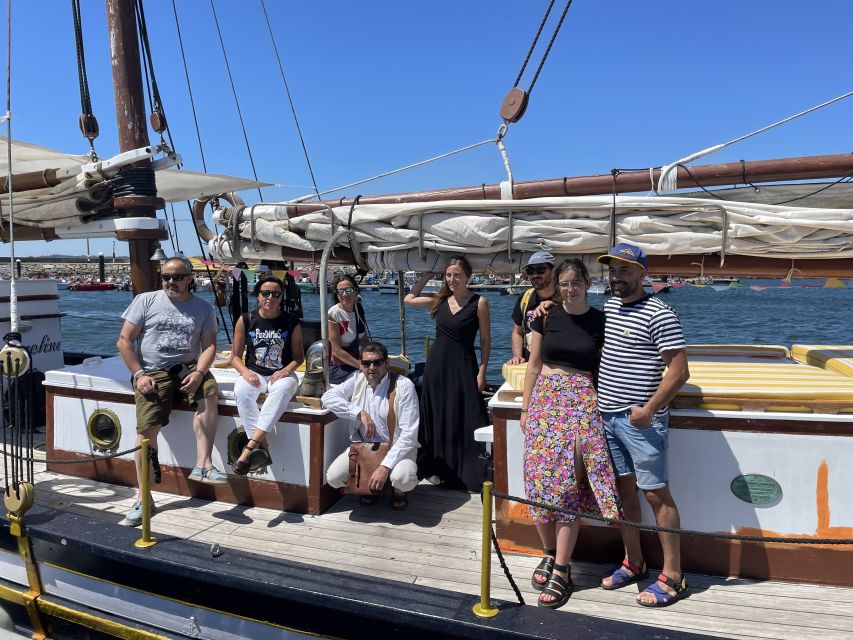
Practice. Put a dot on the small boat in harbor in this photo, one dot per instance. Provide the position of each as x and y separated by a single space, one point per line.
91 285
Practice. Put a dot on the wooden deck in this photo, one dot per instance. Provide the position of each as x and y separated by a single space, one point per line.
436 543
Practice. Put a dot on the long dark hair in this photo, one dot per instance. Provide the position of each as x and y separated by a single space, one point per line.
444 293
576 265
359 308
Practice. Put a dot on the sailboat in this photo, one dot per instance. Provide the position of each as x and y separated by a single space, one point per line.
93 576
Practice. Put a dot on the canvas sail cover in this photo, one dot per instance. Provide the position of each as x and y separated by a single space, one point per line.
84 194
500 234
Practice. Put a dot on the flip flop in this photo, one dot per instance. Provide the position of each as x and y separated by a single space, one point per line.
621 578
399 501
368 501
664 598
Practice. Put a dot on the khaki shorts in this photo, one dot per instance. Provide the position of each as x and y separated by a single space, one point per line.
153 409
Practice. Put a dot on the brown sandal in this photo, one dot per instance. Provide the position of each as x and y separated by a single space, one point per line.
259 457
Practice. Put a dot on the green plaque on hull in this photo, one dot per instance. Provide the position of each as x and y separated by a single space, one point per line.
756 489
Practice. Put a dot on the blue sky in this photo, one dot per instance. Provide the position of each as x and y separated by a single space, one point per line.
379 85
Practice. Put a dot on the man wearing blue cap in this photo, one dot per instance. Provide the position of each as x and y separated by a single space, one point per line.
642 339
539 270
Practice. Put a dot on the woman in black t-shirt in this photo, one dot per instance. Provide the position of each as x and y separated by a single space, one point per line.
272 341
566 460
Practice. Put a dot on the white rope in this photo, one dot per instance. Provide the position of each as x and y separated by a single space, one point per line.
668 180
392 172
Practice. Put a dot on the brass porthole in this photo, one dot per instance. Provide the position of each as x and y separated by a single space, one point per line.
104 430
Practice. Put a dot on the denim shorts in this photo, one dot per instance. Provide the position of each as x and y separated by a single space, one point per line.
639 451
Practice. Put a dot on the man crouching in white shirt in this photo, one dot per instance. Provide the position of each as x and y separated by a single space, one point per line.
364 399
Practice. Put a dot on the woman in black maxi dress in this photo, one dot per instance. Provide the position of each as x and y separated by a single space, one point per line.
452 406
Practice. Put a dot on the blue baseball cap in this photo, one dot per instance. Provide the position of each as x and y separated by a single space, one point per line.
541 257
625 252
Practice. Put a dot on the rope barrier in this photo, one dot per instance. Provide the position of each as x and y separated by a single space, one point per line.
686 532
106 456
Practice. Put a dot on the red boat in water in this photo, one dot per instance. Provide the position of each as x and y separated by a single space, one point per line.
91 285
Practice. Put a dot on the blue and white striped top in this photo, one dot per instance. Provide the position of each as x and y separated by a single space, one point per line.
635 336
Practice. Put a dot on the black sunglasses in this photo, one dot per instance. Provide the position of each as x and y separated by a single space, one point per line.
537 270
266 294
169 277
372 363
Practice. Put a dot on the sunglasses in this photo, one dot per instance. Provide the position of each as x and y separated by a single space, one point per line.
372 363
537 270
347 290
169 277
266 294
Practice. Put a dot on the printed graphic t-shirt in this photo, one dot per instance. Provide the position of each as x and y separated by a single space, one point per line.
268 342
171 330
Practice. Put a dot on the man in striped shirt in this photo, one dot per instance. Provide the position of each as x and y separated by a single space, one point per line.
642 339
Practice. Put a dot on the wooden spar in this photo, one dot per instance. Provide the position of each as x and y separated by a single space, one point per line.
750 266
29 181
710 175
132 124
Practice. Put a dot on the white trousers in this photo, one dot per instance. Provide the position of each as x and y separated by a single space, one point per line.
278 393
404 475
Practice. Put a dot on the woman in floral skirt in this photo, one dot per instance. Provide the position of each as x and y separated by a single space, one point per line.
566 460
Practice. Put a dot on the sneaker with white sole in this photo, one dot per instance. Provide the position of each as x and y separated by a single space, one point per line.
212 475
134 516
196 475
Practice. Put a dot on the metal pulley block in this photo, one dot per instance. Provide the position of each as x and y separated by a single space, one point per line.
514 105
88 126
18 500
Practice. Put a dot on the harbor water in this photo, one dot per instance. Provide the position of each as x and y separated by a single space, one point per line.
804 313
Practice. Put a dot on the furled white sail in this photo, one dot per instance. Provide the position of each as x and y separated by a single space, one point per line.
84 189
418 236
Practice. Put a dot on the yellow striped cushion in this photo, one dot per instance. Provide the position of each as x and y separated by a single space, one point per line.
781 381
514 375
834 358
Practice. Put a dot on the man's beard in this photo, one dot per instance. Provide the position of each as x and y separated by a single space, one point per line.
173 293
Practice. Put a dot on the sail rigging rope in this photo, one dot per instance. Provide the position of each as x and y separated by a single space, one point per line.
290 101
234 93
547 49
668 180
90 130
399 170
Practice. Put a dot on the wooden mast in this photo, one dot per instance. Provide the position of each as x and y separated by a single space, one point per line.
132 131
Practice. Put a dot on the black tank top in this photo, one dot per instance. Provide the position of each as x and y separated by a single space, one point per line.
268 342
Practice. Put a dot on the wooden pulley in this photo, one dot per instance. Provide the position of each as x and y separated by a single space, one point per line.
514 105
158 121
88 126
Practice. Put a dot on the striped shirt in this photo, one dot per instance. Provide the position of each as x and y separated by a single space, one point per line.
635 336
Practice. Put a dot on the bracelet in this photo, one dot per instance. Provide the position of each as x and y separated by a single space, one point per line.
138 373
523 410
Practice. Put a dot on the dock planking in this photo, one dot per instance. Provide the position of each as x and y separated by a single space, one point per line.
436 543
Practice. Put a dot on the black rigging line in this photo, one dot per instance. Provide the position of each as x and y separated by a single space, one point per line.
236 99
189 87
290 100
533 44
550 44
